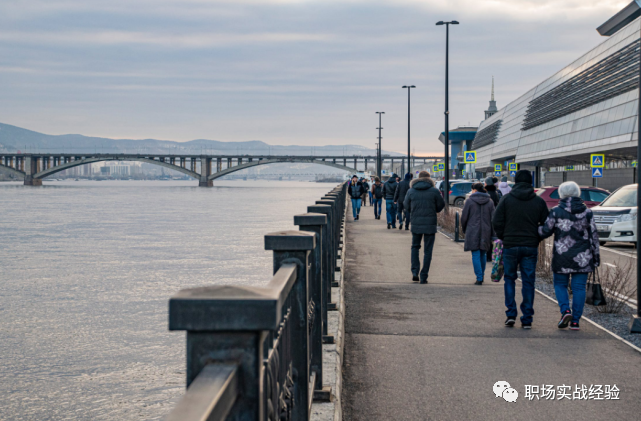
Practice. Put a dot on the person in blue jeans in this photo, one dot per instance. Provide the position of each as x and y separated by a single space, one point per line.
576 251
377 192
516 222
389 189
355 191
476 221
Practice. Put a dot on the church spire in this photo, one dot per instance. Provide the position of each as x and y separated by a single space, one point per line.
492 108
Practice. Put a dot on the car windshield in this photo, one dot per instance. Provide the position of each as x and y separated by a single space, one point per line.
624 197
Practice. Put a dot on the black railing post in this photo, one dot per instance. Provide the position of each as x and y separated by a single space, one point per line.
316 223
333 248
294 247
328 274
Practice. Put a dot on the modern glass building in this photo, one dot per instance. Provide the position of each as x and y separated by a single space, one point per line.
588 107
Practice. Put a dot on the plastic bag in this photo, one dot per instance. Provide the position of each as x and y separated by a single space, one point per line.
497 261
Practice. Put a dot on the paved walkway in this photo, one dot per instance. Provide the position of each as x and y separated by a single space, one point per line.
434 352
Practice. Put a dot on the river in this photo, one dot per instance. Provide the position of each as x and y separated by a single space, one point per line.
86 271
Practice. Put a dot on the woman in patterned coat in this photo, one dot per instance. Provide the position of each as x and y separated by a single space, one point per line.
575 252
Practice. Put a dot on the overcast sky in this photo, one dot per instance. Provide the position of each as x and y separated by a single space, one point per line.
282 71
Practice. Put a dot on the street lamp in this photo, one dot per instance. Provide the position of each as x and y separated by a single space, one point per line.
379 164
409 88
617 22
446 189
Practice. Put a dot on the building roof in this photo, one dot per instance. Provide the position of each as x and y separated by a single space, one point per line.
459 134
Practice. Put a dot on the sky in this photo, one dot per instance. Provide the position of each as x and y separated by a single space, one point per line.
282 71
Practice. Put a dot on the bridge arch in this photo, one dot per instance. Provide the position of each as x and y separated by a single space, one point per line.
91 160
13 171
276 161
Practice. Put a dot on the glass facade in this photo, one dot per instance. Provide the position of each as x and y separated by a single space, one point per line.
606 126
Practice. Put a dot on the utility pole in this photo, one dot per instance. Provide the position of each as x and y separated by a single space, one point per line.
379 164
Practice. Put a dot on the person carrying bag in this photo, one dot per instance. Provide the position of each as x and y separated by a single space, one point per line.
594 295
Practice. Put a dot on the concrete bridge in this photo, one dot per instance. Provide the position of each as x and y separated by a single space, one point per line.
33 168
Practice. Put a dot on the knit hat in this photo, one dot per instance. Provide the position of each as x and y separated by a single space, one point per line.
504 179
423 174
489 181
523 176
408 176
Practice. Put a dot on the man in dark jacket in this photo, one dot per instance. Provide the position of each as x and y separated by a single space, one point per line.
377 192
355 191
365 191
399 198
389 189
423 201
516 221
490 188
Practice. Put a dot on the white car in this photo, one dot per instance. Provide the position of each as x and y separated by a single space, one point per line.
616 216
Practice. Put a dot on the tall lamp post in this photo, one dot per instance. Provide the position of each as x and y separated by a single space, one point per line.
409 88
379 164
617 22
446 187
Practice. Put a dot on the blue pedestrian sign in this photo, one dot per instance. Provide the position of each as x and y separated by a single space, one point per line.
514 166
435 167
497 168
470 157
634 164
382 171
597 160
569 167
597 172
417 172
441 167
512 173
497 173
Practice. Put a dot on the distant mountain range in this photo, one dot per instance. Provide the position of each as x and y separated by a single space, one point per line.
14 139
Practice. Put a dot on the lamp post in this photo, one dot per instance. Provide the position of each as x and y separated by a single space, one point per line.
379 164
446 187
409 88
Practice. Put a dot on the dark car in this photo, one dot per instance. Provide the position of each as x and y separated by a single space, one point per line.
592 196
458 191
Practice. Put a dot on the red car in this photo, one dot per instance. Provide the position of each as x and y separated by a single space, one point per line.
591 196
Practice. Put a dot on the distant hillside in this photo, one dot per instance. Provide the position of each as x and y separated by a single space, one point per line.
13 139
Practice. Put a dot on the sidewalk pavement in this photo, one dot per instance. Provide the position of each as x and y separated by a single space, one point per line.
434 352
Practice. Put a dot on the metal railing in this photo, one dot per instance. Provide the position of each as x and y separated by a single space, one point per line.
255 353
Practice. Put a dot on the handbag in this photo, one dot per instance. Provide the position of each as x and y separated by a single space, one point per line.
497 259
594 295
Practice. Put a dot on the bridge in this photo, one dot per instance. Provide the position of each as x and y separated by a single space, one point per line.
33 168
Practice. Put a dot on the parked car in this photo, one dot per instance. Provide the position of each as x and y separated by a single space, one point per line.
616 216
458 191
439 184
591 196
509 183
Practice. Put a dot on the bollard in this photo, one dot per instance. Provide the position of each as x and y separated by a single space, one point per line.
327 272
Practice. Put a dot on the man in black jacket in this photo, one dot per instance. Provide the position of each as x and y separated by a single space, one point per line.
516 221
399 198
389 188
423 201
377 192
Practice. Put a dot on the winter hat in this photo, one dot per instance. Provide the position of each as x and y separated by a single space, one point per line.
523 176
408 176
504 179
489 181
423 174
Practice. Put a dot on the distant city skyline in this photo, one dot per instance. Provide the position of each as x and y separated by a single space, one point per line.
286 72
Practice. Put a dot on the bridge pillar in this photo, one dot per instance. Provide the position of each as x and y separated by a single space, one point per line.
205 172
31 167
344 162
356 164
219 164
228 163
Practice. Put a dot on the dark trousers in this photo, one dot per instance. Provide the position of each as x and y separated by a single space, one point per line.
428 242
526 258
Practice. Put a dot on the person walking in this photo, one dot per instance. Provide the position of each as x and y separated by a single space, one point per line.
516 222
355 190
371 191
389 189
365 191
490 188
476 222
575 253
504 188
377 192
399 198
423 201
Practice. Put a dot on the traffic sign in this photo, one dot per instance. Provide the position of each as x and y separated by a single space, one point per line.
417 172
441 167
597 172
383 172
462 172
512 173
514 166
569 167
634 164
470 157
597 160
497 173
435 167
498 167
